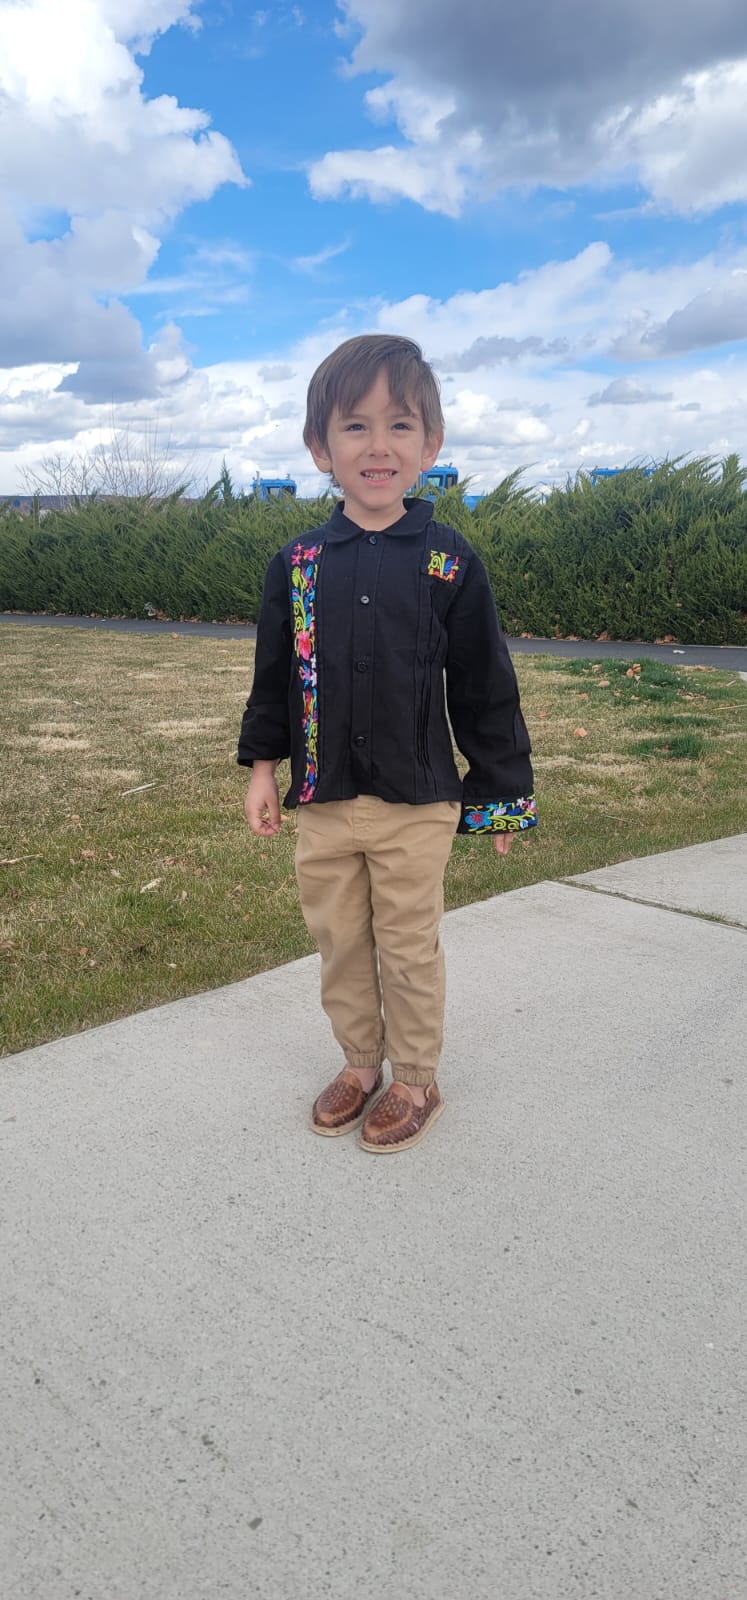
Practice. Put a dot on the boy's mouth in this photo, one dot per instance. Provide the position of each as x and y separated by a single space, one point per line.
379 475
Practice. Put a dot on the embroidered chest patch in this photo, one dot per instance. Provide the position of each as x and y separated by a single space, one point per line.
442 565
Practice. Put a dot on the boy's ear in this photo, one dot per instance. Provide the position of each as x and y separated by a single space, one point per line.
431 451
320 456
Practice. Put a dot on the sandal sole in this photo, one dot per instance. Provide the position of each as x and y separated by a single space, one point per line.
404 1144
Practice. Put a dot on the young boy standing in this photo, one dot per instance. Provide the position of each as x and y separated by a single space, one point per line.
363 622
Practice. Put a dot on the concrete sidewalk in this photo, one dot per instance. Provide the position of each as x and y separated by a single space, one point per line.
507 1365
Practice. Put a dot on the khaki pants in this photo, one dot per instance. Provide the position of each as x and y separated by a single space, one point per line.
371 882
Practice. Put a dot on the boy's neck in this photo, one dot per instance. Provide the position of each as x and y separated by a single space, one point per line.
370 521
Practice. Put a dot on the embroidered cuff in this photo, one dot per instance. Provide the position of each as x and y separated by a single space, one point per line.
500 816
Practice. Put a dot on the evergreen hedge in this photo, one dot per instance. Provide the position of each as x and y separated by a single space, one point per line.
633 557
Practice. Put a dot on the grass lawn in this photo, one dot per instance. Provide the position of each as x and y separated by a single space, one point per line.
128 876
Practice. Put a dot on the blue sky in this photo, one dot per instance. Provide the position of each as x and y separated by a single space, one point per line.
201 199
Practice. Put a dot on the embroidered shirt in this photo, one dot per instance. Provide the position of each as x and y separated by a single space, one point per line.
365 640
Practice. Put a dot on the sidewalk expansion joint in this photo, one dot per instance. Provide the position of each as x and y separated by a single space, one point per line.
655 905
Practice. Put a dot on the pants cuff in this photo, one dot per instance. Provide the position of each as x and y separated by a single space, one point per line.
365 1058
418 1077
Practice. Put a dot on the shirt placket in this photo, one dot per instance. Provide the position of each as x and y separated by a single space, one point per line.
364 622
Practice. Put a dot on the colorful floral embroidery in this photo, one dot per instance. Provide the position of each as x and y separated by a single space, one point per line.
304 570
502 816
442 565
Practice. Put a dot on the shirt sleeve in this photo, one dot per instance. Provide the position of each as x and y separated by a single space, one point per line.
265 727
485 713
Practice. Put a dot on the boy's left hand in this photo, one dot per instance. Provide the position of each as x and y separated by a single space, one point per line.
502 842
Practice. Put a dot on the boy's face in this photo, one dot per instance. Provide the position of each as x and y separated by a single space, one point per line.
376 454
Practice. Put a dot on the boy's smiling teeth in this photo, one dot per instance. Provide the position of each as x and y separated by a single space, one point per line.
379 472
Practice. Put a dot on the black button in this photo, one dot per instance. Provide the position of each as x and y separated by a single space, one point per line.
372 538
360 739
365 599
361 666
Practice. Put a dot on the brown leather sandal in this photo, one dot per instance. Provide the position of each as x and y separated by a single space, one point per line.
396 1123
343 1104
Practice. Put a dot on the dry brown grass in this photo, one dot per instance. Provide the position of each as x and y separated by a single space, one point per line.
120 900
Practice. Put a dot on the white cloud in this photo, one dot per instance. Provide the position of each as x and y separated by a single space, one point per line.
651 92
625 392
529 411
78 139
312 263
433 179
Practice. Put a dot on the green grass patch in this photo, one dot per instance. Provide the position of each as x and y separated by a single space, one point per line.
129 877
631 680
680 747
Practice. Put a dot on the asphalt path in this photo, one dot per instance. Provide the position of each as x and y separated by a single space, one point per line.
732 657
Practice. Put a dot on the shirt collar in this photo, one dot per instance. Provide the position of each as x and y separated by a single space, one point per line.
415 517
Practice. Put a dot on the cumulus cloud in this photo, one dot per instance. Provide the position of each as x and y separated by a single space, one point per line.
276 373
624 392
657 91
717 316
532 410
78 139
491 352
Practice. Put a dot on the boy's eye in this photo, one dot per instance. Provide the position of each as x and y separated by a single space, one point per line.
350 427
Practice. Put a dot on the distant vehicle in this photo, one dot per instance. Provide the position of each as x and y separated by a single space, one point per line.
612 472
274 488
438 479
443 477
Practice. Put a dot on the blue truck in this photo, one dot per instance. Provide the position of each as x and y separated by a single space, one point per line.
597 473
274 488
442 477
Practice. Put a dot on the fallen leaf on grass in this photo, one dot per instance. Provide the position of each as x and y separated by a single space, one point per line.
582 696
580 733
542 715
155 883
88 855
603 683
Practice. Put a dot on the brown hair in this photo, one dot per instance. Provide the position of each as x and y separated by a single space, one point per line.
346 375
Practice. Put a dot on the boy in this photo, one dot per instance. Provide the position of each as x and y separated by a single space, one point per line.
360 621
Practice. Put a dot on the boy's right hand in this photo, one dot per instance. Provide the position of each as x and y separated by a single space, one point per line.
262 803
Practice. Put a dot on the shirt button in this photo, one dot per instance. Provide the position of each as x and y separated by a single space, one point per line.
365 599
361 666
360 739
372 538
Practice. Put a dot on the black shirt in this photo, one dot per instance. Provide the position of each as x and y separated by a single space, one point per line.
364 640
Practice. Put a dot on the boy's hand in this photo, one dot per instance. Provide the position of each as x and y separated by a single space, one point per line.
262 803
503 842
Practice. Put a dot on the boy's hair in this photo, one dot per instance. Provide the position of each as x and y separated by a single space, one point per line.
346 375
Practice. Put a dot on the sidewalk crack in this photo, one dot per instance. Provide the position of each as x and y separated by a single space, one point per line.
655 905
